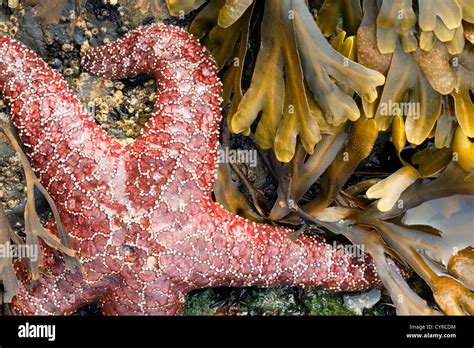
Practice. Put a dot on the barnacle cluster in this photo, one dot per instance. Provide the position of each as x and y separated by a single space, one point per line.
329 80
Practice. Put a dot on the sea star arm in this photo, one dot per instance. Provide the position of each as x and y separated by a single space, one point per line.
232 251
261 255
59 292
210 247
68 150
77 162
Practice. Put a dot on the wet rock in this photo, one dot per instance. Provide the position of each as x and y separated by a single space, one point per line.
31 33
79 36
6 151
148 20
103 11
89 309
6 9
56 63
122 30
12 188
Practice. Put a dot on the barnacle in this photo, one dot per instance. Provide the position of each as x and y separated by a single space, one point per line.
320 98
48 12
33 229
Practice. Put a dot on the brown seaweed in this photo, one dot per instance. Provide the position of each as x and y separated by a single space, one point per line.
34 230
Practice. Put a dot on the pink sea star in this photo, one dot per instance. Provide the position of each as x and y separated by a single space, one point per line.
141 217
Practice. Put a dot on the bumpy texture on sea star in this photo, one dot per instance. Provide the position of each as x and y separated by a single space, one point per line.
141 217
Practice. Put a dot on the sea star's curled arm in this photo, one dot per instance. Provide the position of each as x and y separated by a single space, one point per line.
179 141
